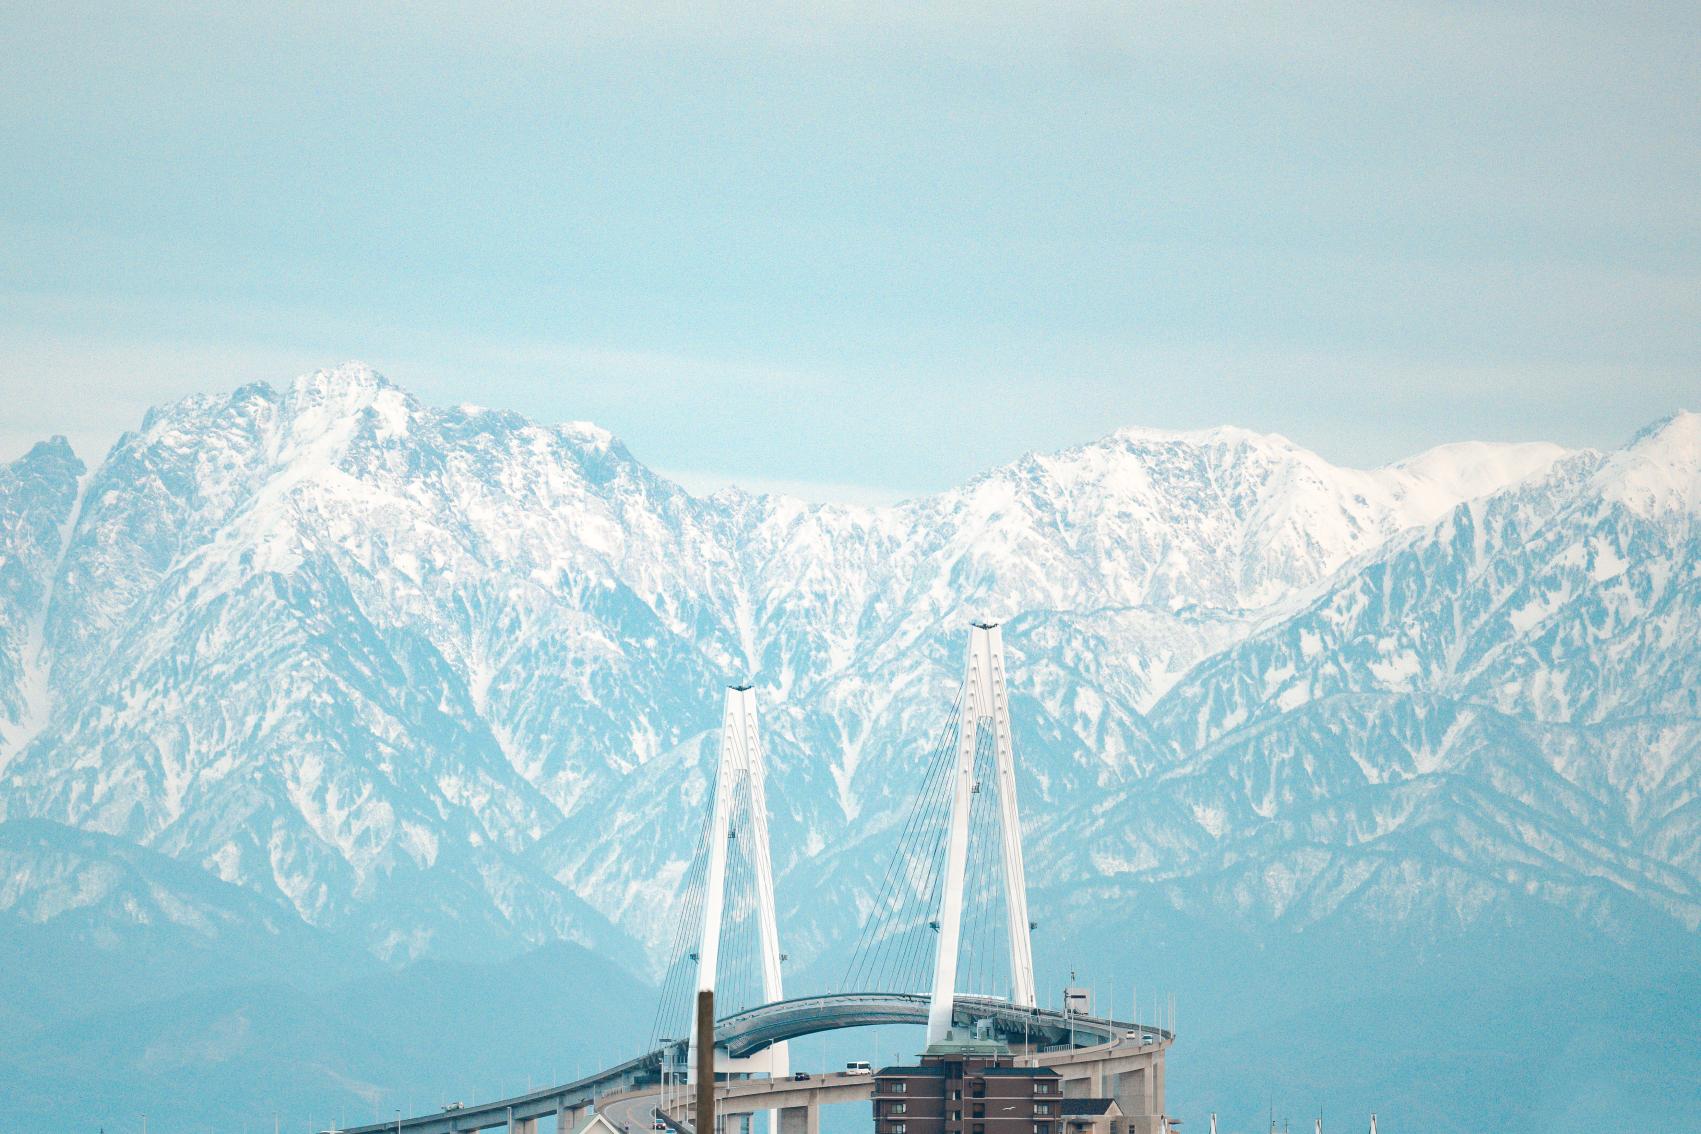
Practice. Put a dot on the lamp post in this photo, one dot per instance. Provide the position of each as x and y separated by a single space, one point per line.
669 1073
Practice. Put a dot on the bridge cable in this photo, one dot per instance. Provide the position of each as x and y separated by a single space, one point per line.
909 952
919 959
905 939
878 921
671 1002
670 1007
902 860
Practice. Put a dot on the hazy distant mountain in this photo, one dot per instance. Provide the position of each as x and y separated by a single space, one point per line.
440 682
1506 701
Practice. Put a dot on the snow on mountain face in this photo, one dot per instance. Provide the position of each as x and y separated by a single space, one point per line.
1521 679
1223 518
38 494
442 679
1659 473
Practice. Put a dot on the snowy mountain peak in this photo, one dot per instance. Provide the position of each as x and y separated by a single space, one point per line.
1681 429
1438 480
351 383
1136 436
1659 472
56 448
1468 469
340 400
589 435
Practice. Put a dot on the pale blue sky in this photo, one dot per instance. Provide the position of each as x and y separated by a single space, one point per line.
863 250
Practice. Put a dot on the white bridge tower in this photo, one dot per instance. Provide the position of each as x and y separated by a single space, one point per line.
741 775
985 705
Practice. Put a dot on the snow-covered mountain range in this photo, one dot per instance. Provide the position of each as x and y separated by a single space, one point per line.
442 682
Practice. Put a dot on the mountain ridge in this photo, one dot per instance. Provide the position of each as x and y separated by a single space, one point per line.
272 602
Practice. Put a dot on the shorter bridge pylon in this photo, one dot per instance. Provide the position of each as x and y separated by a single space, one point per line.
741 778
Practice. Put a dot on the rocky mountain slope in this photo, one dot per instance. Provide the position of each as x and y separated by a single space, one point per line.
439 682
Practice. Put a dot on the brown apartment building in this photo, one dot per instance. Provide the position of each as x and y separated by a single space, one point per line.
970 1086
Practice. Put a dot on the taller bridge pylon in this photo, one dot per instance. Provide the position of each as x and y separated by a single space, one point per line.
985 708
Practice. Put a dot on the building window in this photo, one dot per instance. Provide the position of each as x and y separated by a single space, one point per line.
1042 1088
894 1087
956 1095
980 1110
1042 1128
980 1128
897 1108
1042 1108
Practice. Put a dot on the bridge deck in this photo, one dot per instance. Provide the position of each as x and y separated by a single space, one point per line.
744 1033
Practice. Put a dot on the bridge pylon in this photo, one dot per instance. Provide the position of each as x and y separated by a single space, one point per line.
742 773
985 706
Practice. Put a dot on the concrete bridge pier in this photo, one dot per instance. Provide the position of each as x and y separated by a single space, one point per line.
525 1126
1138 1088
1134 1078
800 1120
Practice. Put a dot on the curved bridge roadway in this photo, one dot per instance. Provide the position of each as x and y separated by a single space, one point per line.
757 1028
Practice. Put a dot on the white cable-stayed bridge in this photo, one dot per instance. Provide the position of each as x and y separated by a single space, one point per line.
945 942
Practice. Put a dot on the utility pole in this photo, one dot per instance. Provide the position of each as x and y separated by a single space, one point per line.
705 1116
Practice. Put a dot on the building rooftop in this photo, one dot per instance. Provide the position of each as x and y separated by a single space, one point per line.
935 1070
958 1043
1037 1072
1093 1107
